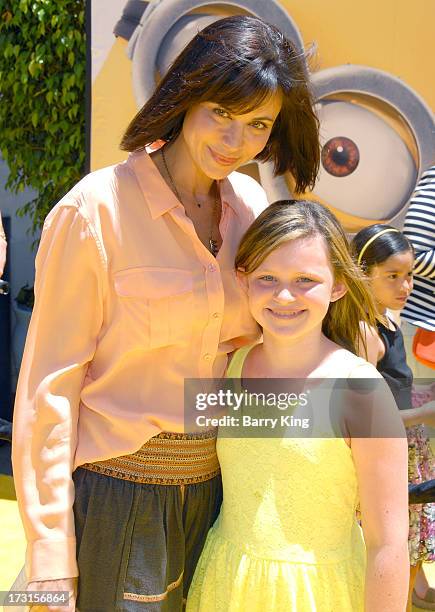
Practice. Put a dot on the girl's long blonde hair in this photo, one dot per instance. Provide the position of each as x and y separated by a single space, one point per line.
291 219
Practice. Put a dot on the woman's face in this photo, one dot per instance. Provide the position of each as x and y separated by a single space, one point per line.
218 141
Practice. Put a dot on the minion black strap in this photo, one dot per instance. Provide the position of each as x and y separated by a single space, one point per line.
131 16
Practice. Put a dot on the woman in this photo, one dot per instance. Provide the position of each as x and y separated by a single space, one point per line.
135 291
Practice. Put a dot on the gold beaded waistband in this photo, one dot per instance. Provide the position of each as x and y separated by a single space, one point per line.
167 459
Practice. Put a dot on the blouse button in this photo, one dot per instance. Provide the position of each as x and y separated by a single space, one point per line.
216 315
207 357
211 267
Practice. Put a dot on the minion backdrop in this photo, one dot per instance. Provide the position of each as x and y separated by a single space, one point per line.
371 74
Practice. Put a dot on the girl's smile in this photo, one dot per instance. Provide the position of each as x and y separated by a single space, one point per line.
285 314
291 290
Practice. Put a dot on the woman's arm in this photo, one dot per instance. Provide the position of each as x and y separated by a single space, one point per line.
61 341
382 470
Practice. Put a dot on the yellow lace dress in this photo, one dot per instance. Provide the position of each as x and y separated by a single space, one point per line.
287 538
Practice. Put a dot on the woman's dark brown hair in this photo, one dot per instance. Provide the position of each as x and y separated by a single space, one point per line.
238 62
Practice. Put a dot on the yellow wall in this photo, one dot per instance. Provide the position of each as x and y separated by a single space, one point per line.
393 35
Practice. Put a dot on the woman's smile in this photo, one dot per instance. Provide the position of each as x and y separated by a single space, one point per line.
223 159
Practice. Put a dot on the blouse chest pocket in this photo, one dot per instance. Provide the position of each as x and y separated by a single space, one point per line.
155 305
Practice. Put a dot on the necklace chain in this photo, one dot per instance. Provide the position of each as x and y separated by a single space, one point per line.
213 244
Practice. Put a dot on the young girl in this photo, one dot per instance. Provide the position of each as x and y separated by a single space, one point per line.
387 256
287 538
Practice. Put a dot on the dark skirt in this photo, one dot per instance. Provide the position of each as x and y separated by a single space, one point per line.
138 544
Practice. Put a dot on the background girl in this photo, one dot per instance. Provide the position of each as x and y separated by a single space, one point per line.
287 538
387 256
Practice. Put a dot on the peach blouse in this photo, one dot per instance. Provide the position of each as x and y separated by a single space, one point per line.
128 304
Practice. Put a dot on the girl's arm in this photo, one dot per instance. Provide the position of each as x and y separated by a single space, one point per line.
382 471
421 412
417 416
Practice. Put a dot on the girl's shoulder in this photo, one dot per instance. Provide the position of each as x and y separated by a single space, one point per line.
236 361
364 369
349 365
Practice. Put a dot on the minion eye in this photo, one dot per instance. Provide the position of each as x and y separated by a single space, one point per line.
340 156
359 150
375 129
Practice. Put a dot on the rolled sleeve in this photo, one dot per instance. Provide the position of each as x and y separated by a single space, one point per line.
66 320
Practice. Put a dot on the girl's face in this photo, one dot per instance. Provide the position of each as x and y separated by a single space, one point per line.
218 141
391 281
290 292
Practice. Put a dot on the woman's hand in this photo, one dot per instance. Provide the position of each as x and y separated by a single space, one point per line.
63 584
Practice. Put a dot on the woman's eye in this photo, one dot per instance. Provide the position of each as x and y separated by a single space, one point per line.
221 112
305 279
259 125
392 276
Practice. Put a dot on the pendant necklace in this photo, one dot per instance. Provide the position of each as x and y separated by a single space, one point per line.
213 244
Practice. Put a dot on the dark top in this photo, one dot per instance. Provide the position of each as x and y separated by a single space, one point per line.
393 366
